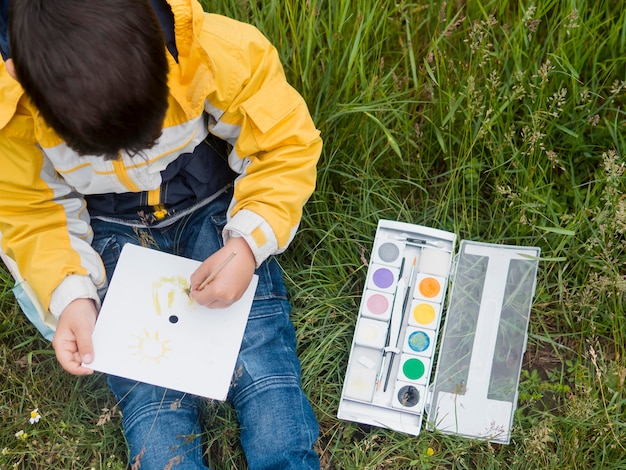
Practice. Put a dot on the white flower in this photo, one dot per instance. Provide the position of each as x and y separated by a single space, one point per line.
34 416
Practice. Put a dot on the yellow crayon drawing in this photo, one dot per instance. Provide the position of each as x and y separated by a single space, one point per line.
170 292
169 298
150 348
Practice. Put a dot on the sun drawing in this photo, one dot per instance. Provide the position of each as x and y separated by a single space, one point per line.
150 348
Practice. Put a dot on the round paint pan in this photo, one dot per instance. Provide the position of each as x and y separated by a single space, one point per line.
418 341
408 397
414 369
370 333
377 305
429 287
424 314
388 252
382 278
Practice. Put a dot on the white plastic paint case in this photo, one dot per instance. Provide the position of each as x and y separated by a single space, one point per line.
397 325
474 393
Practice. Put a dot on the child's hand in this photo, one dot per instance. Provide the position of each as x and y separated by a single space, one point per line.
72 339
231 282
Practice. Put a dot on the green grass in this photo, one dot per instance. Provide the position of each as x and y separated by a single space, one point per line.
496 120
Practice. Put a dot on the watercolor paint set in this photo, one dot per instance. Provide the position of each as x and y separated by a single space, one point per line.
401 337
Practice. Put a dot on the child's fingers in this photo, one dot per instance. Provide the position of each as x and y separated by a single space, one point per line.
72 339
85 346
69 358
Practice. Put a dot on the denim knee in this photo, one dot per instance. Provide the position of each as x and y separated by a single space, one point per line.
161 426
278 426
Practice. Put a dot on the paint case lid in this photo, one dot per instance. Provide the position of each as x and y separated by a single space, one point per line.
474 391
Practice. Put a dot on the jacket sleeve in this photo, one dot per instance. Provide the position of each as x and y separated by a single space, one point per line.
276 145
44 224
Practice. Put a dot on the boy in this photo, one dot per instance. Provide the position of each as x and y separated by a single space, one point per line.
128 120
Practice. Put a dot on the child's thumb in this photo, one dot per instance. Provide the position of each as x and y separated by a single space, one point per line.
85 347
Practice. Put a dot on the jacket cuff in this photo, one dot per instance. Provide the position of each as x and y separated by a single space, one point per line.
256 231
71 288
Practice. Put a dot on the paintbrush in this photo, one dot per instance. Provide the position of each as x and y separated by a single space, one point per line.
398 328
214 274
393 328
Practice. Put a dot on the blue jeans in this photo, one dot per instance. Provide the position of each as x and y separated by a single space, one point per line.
162 427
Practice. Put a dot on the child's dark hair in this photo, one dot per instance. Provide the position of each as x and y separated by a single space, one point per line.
95 69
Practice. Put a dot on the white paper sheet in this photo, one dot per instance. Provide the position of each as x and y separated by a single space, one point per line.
150 330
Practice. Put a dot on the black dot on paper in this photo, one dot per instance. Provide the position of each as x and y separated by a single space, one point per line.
173 319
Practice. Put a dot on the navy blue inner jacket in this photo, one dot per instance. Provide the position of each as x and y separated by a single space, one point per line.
4 29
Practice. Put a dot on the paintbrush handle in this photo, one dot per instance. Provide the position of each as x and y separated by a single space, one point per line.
217 270
400 323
